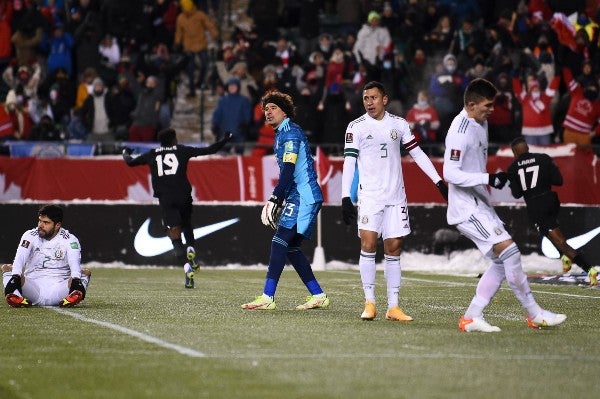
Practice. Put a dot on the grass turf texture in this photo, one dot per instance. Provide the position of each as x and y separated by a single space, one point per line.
287 353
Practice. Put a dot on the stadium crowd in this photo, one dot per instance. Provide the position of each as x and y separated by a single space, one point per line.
108 70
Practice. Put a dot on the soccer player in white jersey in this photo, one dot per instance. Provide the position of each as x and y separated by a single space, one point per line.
470 210
373 144
47 266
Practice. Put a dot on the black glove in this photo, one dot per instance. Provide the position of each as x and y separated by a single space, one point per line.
348 210
271 212
77 285
213 148
498 180
443 189
13 284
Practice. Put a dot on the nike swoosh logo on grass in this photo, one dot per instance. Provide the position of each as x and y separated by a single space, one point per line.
550 251
146 245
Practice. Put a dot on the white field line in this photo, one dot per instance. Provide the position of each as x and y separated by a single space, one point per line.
136 334
193 353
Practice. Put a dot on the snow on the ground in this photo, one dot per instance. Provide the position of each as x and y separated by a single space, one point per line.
462 263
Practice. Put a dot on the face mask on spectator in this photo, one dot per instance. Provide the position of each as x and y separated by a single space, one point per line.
422 103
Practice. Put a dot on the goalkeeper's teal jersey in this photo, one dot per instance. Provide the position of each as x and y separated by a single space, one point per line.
291 145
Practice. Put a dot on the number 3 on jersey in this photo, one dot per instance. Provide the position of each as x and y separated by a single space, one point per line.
166 164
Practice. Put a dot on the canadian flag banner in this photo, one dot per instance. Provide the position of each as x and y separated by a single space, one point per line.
564 30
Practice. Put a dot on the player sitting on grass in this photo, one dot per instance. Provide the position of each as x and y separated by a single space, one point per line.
47 266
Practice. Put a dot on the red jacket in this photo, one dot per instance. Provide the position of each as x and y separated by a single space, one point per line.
537 118
583 114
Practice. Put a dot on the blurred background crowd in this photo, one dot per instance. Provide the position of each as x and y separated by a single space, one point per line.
110 71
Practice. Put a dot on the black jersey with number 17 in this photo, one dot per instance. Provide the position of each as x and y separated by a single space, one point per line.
532 175
168 167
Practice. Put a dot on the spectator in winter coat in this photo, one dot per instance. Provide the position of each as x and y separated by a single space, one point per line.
423 119
372 41
94 114
233 114
60 47
190 35
583 116
146 113
537 117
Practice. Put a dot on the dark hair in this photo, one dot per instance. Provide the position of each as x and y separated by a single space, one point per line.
282 100
479 90
54 212
517 141
375 85
167 137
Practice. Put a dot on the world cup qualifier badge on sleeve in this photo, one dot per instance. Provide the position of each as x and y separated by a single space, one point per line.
349 137
454 155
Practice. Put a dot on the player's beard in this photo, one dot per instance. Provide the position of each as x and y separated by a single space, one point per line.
47 235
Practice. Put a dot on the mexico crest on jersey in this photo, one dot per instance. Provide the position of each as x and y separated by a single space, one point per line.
59 254
394 134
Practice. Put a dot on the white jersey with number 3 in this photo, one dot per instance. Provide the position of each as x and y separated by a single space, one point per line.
377 145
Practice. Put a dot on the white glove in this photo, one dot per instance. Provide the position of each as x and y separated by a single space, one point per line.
271 212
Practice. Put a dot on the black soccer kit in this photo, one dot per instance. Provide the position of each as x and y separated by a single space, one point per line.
532 177
168 168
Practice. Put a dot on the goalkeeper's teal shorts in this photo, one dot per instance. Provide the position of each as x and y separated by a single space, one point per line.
303 216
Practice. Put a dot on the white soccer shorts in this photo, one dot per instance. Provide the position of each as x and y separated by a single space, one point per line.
388 221
485 229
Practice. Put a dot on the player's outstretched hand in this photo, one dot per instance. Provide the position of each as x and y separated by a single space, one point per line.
498 180
271 212
127 152
348 210
443 189
213 148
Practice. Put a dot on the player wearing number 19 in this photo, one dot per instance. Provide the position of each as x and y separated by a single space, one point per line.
168 168
532 176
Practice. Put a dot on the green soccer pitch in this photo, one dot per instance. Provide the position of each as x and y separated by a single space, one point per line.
140 334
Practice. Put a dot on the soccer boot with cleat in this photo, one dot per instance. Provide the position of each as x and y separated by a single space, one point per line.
566 263
593 275
72 299
370 311
314 302
17 301
191 256
397 314
546 319
189 276
262 302
476 324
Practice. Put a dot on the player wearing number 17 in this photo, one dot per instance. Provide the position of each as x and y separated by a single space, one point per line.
168 168
531 176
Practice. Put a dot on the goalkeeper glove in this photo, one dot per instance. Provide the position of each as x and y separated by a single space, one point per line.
443 189
348 210
271 212
498 180
77 285
14 284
